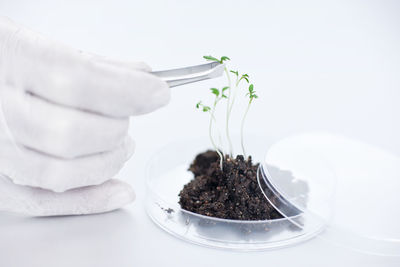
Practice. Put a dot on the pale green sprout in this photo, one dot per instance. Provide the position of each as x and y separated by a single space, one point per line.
219 95
238 80
252 95
221 61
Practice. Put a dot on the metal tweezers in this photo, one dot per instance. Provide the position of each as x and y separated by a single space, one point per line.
176 77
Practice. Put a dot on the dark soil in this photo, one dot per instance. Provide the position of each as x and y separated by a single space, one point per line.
233 193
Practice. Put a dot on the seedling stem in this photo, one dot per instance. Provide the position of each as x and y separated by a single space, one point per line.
228 113
252 96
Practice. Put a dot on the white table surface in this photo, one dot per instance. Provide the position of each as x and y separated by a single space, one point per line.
316 66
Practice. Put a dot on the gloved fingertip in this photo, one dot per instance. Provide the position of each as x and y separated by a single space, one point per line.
123 196
163 96
155 95
142 66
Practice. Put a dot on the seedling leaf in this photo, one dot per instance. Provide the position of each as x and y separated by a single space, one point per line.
251 88
215 91
211 58
235 72
245 77
206 108
224 58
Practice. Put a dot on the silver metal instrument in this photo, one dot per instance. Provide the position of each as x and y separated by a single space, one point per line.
176 77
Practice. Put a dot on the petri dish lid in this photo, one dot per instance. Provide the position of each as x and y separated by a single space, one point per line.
350 187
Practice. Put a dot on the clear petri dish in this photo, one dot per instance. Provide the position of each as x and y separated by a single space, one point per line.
358 206
167 173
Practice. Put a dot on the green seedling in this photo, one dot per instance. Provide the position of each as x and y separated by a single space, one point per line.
244 77
252 95
221 61
231 97
219 95
200 105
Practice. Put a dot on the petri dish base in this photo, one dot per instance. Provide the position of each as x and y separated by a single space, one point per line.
167 174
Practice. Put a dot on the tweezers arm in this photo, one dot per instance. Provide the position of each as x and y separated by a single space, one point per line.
176 77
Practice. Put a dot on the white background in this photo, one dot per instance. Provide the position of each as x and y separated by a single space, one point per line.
323 65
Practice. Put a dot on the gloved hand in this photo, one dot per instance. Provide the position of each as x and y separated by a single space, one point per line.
64 120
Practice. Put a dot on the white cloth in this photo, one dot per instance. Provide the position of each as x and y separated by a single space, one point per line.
63 124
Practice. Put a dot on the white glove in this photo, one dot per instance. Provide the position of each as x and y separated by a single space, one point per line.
64 122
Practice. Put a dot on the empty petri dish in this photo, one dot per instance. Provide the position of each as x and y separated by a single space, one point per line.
358 206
